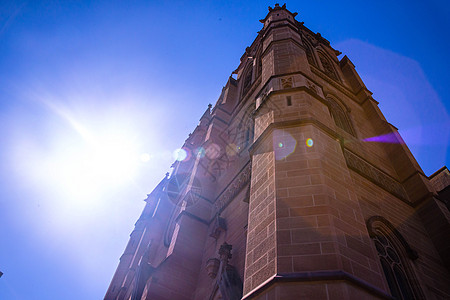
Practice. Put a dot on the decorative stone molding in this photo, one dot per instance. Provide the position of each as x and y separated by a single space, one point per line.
228 284
218 227
375 222
327 66
212 267
238 183
286 82
312 86
375 175
225 253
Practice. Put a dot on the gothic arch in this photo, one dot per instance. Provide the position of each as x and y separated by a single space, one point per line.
395 255
327 65
247 78
258 63
340 116
170 227
245 128
309 53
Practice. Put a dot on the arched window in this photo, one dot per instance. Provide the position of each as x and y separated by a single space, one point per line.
248 136
340 116
258 63
246 133
309 54
247 80
327 66
393 252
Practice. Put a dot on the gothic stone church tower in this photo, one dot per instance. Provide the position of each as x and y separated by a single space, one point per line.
280 197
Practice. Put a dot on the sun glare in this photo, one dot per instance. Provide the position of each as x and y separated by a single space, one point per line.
84 158
87 169
113 158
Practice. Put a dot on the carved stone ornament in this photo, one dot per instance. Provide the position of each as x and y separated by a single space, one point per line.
286 82
312 86
328 68
309 55
277 7
225 253
212 267
373 174
218 227
234 188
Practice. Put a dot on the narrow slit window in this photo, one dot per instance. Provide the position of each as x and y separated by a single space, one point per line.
289 101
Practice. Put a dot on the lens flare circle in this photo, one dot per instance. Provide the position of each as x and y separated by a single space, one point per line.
232 149
284 144
200 152
213 151
309 142
180 154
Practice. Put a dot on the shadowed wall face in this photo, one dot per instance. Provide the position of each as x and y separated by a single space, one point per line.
288 188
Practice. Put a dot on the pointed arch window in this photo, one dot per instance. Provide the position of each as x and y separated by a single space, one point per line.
393 252
246 129
327 66
309 54
247 80
248 136
340 117
258 64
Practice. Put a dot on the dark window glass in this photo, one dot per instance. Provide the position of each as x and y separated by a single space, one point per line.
393 268
390 277
289 100
247 81
327 67
403 283
309 55
340 117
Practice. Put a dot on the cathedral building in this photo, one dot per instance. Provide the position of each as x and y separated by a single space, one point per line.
278 195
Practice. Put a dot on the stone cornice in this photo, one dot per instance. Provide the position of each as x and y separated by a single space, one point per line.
293 123
375 175
354 162
235 186
316 277
290 90
346 91
268 30
192 216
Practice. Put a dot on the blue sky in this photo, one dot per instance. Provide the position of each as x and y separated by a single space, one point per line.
96 95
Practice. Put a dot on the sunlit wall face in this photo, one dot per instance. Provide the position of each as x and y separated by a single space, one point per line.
94 99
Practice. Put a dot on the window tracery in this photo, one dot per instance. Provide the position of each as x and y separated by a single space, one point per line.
391 249
247 81
258 64
244 130
309 54
393 268
327 67
340 116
